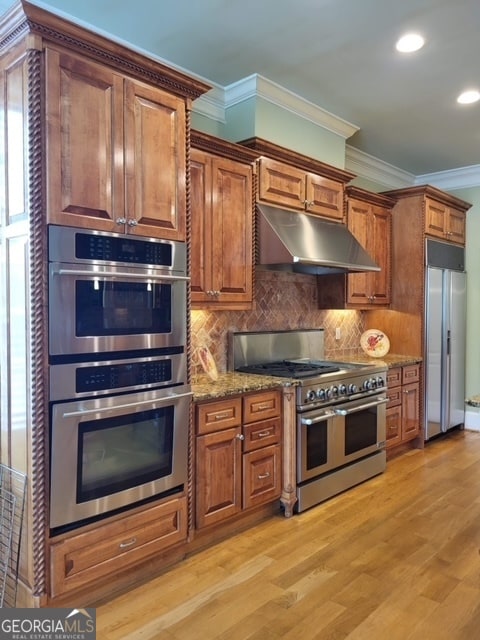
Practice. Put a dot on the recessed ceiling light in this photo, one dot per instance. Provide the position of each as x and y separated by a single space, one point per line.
467 97
410 42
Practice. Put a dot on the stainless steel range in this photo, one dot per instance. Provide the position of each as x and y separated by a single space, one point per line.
340 409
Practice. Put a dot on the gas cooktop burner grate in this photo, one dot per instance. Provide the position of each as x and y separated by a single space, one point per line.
290 369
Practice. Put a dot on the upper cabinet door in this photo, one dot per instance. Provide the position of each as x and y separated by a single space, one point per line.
222 232
324 197
155 162
281 184
84 114
442 221
116 151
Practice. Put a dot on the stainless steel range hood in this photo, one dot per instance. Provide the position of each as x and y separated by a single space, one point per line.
305 243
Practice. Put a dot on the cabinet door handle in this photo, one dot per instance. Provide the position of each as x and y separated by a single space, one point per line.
263 476
263 434
127 543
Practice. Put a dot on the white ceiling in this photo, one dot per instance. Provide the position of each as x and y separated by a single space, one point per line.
337 54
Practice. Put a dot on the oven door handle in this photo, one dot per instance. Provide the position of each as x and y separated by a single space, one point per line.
368 405
325 416
117 274
129 405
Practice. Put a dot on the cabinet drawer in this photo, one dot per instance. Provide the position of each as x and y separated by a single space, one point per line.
262 434
394 397
410 373
215 416
394 377
103 551
262 476
260 406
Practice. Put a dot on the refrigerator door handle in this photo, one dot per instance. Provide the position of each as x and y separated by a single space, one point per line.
448 342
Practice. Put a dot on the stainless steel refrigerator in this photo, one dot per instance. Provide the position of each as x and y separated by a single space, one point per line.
445 324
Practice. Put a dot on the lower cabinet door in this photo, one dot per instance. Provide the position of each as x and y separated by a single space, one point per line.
262 476
218 476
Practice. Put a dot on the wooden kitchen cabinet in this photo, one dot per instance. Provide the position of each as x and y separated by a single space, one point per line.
369 220
238 455
416 212
262 457
294 181
87 557
116 151
403 408
98 132
287 186
222 215
444 222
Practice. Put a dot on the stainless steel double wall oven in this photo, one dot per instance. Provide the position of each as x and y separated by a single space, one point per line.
119 397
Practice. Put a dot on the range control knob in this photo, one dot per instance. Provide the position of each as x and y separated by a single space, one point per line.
310 395
342 389
380 382
334 391
352 388
321 394
328 393
369 384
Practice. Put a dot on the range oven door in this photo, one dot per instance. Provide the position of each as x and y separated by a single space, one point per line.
109 453
334 436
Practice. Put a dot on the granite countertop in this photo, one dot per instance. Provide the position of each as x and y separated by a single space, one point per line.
474 401
232 383
390 360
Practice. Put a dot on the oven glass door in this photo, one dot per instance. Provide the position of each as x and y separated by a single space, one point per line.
329 438
363 429
316 441
108 453
95 308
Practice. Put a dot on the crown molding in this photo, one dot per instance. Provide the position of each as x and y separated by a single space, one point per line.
367 166
462 178
258 86
211 104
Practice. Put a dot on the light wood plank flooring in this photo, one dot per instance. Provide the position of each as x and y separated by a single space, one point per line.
396 558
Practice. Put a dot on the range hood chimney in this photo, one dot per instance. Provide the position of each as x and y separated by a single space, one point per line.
304 243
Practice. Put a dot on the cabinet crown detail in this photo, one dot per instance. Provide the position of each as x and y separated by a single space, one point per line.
25 17
298 160
432 192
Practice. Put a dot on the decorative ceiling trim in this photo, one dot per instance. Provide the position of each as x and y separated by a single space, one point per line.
258 86
462 178
371 168
211 104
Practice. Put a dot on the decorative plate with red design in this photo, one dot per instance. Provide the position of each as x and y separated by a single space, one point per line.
375 343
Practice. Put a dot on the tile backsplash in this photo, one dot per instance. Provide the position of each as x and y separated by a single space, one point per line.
282 300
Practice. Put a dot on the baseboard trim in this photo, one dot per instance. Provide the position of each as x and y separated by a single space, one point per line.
472 419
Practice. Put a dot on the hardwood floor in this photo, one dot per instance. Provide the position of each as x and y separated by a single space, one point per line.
396 558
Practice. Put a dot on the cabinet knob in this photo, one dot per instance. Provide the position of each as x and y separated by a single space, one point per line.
121 221
240 436
132 222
